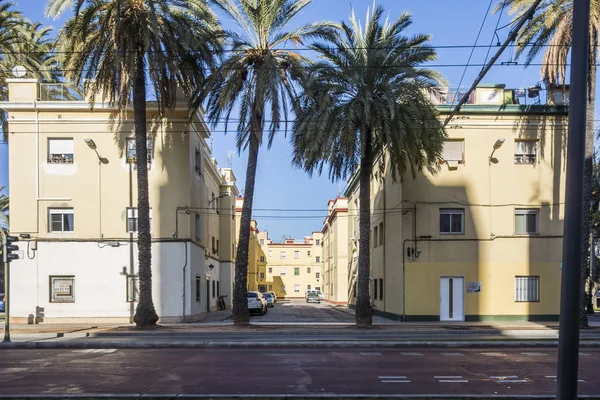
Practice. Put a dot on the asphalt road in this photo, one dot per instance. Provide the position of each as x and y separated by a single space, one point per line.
289 371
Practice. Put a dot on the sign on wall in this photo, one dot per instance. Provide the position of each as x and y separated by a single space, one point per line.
473 287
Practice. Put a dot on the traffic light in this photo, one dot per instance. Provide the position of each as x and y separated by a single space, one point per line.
9 247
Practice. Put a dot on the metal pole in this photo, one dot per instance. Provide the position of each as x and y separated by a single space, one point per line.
6 294
590 309
568 344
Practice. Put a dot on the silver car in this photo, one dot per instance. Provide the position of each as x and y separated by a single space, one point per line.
269 298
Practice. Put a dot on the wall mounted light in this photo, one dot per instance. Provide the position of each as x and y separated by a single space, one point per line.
497 145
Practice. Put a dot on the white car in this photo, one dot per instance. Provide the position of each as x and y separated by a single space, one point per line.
308 291
257 303
274 296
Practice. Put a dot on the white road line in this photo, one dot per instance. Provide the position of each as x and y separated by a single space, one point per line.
551 376
96 351
584 354
402 381
454 381
370 353
494 354
578 380
411 354
534 354
512 381
453 354
504 377
448 377
391 377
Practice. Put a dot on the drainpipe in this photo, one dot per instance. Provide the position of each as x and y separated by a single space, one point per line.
384 240
183 280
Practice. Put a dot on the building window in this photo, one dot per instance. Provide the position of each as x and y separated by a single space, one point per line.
375 241
61 219
308 253
282 254
217 252
318 242
60 151
525 151
375 296
296 288
381 289
318 275
198 227
318 259
318 288
308 287
262 259
282 271
62 289
296 254
270 253
198 282
296 271
262 275
308 270
133 288
262 242
213 289
218 290
214 248
131 157
527 289
133 221
453 152
282 288
526 221
270 270
198 162
270 287
381 238
452 221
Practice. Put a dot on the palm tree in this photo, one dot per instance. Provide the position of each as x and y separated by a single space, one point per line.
3 214
366 101
22 43
549 31
115 48
259 76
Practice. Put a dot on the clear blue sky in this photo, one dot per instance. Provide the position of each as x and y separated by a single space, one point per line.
279 185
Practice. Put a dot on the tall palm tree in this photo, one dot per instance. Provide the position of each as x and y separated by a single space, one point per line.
22 43
3 214
366 101
549 32
116 48
258 75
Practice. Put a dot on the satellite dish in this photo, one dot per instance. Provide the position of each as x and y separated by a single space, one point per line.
19 71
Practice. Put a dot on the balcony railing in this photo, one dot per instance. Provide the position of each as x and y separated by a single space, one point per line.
527 96
59 92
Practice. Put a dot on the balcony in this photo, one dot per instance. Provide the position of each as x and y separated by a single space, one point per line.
500 95
59 92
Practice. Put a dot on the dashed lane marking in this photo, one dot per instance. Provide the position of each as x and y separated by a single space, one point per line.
391 377
534 354
370 353
453 354
448 377
494 354
454 381
503 377
411 354
96 351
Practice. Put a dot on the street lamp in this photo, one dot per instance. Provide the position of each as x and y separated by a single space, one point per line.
497 145
101 160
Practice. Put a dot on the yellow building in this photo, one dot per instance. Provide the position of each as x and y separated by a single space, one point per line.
73 190
481 239
335 252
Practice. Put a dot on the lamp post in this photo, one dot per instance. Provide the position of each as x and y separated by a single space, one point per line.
497 145
101 160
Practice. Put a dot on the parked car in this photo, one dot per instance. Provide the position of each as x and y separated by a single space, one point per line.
2 297
257 303
320 294
274 296
269 298
313 297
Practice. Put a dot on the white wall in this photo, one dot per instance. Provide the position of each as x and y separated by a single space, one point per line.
101 285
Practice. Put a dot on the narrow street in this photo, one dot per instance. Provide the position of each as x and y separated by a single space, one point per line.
290 371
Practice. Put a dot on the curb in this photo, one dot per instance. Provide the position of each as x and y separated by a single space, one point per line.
287 344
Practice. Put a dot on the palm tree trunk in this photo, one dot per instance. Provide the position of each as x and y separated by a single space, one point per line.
587 186
364 311
241 314
145 314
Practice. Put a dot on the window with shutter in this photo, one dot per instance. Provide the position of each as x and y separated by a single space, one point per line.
527 289
453 151
60 151
525 151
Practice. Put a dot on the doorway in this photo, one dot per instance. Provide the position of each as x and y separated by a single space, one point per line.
452 299
207 294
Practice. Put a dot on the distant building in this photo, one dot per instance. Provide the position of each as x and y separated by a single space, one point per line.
335 252
482 238
73 189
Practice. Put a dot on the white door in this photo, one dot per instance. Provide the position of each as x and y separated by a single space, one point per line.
451 299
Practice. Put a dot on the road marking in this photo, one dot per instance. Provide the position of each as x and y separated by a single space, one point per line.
578 380
370 353
447 377
494 354
584 354
454 381
534 354
551 376
96 351
453 354
512 381
399 381
411 354
504 377
391 377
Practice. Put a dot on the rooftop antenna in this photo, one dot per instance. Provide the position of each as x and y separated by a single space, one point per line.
211 144
230 158
339 189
